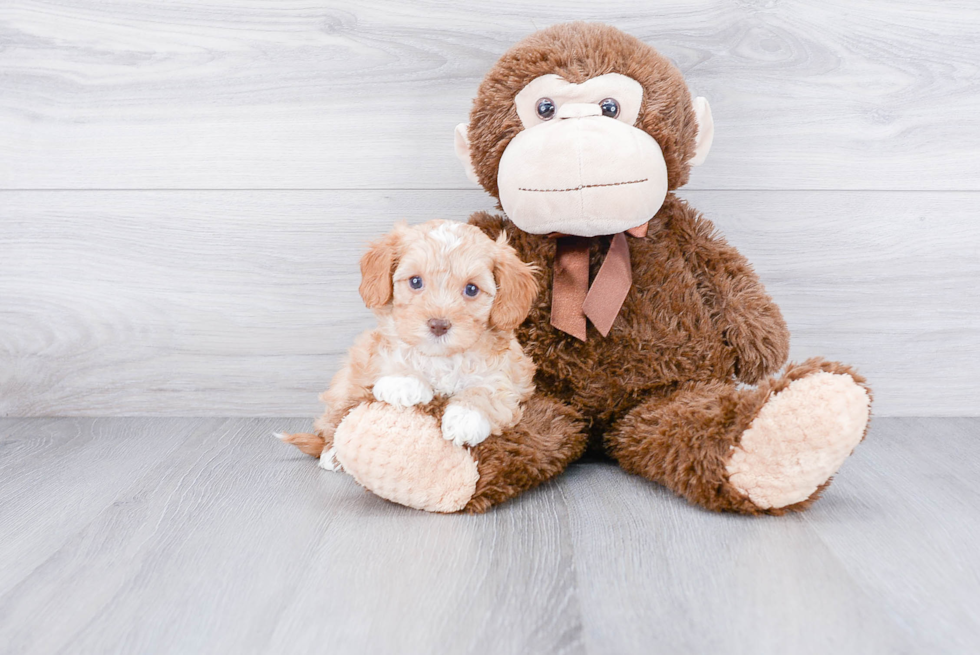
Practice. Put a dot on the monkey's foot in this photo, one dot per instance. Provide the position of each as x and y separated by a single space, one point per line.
399 453
799 439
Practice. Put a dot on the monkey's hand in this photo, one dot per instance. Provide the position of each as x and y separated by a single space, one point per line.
760 349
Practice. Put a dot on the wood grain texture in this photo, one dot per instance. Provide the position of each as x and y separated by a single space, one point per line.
884 563
233 303
200 303
254 94
236 544
58 476
916 548
687 581
208 535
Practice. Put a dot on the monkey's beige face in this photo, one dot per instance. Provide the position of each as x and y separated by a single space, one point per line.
580 165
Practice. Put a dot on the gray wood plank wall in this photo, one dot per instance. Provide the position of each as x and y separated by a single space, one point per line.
185 187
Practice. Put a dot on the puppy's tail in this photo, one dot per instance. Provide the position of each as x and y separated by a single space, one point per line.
311 444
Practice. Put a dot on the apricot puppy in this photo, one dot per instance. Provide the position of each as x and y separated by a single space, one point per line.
447 299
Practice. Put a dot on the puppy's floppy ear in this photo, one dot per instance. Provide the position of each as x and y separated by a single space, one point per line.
377 267
517 287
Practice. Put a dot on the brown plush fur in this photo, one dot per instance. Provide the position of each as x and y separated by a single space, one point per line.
659 393
696 312
684 440
547 439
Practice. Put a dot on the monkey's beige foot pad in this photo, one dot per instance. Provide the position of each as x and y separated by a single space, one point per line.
799 438
399 454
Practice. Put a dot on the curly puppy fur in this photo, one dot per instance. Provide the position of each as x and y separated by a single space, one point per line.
660 394
472 358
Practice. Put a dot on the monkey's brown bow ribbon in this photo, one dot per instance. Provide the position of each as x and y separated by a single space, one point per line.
572 300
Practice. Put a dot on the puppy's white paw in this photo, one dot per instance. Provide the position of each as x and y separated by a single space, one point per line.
402 390
328 460
464 426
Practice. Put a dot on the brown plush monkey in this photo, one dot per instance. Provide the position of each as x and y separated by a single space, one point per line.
648 320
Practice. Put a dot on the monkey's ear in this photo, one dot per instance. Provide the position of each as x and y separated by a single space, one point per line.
377 267
462 145
517 287
706 131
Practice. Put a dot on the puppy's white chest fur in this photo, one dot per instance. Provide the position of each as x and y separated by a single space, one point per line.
446 375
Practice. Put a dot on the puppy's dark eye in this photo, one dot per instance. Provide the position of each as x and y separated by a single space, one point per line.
471 291
415 282
609 108
546 109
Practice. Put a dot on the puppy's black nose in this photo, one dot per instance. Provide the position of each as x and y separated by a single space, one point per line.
439 326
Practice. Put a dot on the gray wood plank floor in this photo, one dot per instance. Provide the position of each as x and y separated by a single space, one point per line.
150 535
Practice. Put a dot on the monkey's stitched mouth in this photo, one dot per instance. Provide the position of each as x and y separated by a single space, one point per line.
584 186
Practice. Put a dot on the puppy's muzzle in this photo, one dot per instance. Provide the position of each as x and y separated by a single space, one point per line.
439 326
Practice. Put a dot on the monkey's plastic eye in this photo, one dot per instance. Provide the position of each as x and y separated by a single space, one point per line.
415 282
546 109
609 107
471 291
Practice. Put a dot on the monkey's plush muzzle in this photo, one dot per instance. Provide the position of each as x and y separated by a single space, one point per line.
584 175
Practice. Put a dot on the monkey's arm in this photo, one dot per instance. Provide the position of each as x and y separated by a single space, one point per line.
750 322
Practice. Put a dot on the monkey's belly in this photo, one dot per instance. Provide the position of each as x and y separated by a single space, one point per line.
604 391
